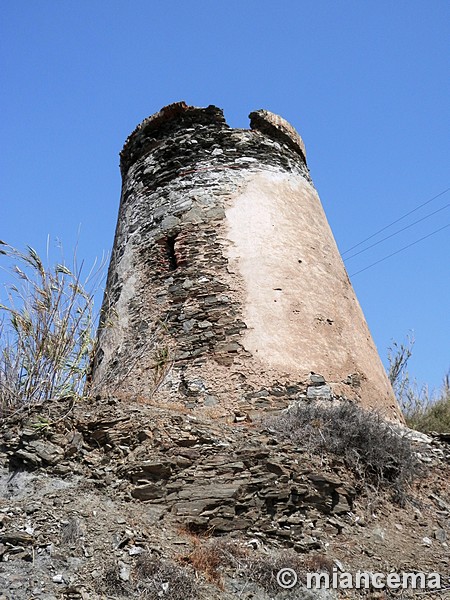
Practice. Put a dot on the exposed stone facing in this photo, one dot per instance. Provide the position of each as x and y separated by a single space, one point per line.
203 475
180 299
172 119
195 472
222 284
277 127
160 125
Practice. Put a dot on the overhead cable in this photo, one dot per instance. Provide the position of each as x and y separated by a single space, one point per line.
396 233
396 221
401 250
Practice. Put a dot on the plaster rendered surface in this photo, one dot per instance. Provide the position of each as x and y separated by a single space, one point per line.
226 291
300 310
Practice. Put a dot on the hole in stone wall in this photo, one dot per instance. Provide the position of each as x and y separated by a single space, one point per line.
170 251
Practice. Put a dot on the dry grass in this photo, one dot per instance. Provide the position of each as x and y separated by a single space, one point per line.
210 556
213 558
377 455
47 330
423 409
72 532
156 578
110 582
427 411
151 578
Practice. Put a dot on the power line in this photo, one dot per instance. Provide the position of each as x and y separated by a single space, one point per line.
396 221
396 232
401 249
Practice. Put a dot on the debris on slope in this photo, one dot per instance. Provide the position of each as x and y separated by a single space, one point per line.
89 489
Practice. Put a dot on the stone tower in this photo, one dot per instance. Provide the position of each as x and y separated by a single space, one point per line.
226 291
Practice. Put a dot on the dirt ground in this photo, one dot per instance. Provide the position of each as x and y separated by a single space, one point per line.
106 499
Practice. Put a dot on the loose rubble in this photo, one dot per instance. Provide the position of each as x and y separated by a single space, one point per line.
111 482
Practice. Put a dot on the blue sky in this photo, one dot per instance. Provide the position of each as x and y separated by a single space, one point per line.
365 83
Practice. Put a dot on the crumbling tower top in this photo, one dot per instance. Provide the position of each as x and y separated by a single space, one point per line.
152 130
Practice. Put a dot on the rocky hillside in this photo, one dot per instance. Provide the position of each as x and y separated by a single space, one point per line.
107 499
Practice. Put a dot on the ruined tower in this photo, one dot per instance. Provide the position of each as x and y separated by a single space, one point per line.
226 290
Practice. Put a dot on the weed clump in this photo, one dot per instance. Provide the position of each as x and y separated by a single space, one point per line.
111 583
433 418
263 570
428 412
215 558
424 409
376 453
156 578
210 556
47 329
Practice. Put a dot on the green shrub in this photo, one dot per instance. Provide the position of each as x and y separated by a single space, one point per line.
428 412
424 410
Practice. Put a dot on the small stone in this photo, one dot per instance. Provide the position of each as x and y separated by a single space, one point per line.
196 386
147 492
230 347
254 543
319 391
424 459
215 213
339 565
336 523
193 216
28 457
260 394
378 534
342 506
144 435
427 541
124 572
188 325
210 400
48 452
244 159
169 223
240 419
440 535
17 538
440 502
58 578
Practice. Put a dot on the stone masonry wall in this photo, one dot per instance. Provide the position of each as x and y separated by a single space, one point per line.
215 298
